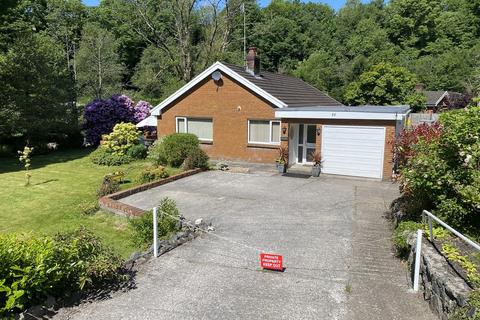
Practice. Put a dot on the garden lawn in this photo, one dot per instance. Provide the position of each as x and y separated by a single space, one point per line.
61 182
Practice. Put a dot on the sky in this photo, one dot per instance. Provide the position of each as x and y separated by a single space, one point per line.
336 4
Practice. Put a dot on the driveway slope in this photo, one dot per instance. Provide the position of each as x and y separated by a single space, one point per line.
330 231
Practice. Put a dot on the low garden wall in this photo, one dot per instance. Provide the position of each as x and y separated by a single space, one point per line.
443 288
111 203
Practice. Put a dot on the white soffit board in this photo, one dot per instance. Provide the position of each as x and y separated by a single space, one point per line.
353 150
337 115
207 73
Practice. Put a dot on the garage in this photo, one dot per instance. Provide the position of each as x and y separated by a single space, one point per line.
352 141
353 150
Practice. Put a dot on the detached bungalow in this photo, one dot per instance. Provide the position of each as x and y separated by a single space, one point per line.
246 114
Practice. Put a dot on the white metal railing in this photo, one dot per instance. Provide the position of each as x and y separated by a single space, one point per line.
430 217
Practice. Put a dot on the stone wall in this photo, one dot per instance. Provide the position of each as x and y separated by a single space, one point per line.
443 288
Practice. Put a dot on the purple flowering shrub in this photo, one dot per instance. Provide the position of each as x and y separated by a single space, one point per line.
141 110
100 116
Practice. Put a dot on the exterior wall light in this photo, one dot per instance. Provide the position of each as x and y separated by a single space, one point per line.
284 130
319 130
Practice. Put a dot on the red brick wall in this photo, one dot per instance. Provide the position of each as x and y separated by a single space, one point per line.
230 105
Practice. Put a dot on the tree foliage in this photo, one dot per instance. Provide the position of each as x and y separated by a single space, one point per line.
99 69
385 84
35 91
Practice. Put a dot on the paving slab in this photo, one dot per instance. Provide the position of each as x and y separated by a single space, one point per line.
330 230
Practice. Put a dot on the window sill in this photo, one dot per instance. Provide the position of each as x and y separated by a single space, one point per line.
264 146
206 142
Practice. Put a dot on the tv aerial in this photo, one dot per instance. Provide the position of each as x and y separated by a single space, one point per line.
216 76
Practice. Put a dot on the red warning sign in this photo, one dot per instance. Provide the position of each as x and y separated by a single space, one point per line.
271 261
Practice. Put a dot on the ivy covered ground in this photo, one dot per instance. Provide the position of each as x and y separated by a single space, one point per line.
62 191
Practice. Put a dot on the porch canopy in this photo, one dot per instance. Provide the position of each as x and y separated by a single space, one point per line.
150 121
367 112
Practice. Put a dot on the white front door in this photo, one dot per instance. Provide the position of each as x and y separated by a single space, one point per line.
302 142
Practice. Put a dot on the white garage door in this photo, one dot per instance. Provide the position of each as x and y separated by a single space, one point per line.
353 150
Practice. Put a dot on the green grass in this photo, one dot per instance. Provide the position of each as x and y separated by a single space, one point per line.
60 182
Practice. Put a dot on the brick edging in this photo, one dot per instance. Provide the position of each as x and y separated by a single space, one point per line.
110 202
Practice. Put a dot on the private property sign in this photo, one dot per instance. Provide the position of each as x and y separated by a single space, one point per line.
271 261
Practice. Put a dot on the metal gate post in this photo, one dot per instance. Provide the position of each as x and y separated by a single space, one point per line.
416 274
155 233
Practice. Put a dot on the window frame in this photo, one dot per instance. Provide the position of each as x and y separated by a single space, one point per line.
269 132
185 120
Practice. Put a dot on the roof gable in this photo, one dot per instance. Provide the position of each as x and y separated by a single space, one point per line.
217 66
434 97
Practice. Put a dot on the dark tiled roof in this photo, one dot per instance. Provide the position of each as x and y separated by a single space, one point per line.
432 97
292 91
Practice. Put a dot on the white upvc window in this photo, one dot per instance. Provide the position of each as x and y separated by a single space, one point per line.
201 127
264 131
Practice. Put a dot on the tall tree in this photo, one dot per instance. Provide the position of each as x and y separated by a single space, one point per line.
411 23
385 84
64 20
99 69
321 71
189 32
17 16
155 75
35 90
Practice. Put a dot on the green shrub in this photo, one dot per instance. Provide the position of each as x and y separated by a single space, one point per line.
104 158
156 153
173 149
403 230
444 174
34 267
439 233
152 173
196 158
123 137
142 227
137 151
107 187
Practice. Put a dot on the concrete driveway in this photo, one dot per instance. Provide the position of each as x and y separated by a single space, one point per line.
330 231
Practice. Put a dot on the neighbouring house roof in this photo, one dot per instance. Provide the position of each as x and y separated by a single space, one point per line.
292 91
434 97
367 112
280 90
150 121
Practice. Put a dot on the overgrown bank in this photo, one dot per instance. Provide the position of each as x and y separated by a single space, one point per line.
439 167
